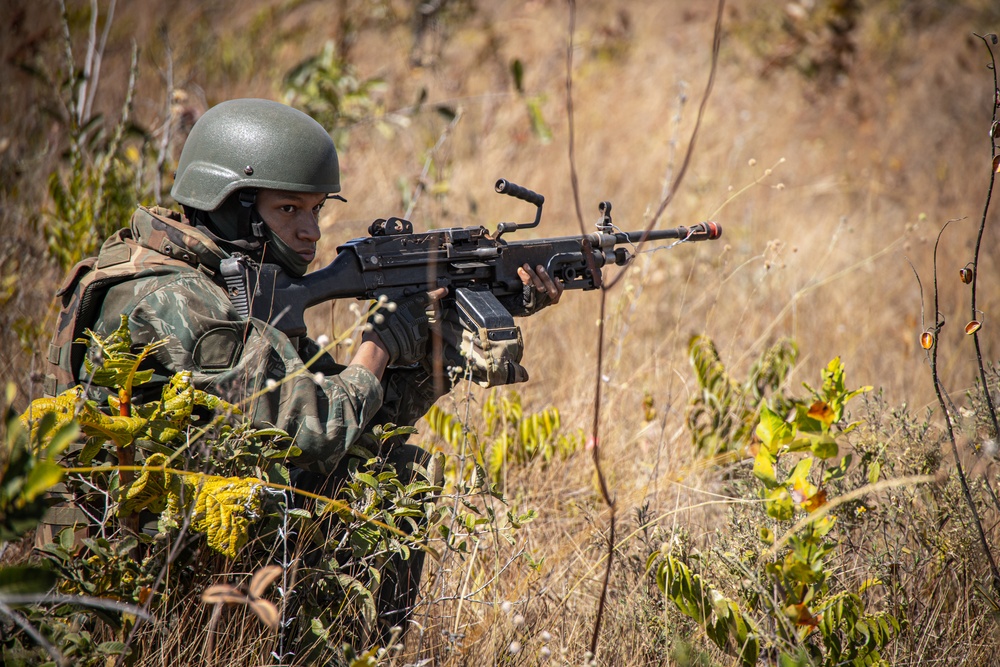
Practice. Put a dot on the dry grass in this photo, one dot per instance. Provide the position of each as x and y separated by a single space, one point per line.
874 162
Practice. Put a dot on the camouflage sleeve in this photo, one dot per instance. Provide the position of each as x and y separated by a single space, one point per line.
407 393
246 362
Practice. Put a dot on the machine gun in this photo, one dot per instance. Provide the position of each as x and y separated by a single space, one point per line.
478 268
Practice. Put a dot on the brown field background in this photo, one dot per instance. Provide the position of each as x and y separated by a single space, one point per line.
868 159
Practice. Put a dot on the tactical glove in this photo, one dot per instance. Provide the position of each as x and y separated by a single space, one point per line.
403 330
472 355
528 302
534 299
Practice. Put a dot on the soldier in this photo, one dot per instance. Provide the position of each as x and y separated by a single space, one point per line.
252 178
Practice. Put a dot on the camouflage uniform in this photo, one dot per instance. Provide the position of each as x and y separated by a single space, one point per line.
162 273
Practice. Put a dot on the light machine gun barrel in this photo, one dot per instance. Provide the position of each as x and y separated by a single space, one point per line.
478 268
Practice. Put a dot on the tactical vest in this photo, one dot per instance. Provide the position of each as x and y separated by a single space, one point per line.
123 257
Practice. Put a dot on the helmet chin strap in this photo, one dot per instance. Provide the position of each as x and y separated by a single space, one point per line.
249 220
278 252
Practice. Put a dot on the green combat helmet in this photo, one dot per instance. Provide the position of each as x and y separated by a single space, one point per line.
253 143
241 146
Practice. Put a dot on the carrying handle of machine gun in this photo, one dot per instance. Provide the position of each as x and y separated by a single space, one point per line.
505 187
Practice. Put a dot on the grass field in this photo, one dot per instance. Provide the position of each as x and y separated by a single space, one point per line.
838 140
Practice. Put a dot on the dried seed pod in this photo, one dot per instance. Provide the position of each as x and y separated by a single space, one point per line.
996 164
966 274
973 326
926 340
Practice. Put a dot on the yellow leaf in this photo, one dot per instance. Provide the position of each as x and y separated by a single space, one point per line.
223 510
801 615
63 406
868 583
150 490
815 501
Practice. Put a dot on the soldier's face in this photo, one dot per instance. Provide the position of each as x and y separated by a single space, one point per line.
293 217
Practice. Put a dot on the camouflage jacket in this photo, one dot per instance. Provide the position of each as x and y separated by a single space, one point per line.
162 274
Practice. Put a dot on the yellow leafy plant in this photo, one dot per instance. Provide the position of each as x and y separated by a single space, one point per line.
224 507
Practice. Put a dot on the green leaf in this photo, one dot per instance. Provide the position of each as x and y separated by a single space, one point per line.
824 525
112 648
67 540
89 451
779 504
825 447
25 580
772 430
831 474
367 479
62 439
538 124
517 72
800 473
42 477
874 470
289 453
269 433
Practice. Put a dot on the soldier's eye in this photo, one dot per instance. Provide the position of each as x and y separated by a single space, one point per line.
287 208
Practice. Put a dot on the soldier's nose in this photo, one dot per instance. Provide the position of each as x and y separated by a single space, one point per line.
309 231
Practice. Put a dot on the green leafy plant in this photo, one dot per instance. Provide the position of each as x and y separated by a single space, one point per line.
94 193
127 469
29 468
327 87
723 414
790 609
510 437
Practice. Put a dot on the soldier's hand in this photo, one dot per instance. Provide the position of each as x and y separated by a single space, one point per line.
403 328
540 289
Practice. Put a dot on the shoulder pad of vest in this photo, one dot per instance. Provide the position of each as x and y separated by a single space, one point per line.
166 232
73 277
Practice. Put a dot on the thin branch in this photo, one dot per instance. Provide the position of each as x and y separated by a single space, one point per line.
98 57
168 124
599 370
88 64
939 391
716 44
445 133
81 600
979 239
